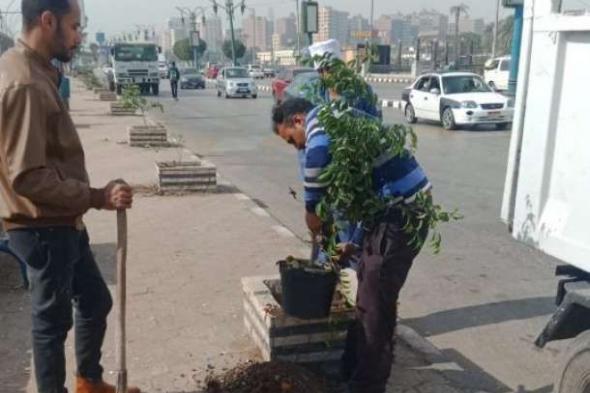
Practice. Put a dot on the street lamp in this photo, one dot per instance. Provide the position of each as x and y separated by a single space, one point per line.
230 8
194 38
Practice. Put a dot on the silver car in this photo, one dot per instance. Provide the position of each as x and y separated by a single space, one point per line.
236 82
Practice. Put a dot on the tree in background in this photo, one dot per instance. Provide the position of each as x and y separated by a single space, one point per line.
458 10
505 31
240 49
184 52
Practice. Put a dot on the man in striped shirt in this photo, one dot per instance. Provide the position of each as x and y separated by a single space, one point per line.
387 255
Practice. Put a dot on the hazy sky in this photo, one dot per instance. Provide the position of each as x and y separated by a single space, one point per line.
114 16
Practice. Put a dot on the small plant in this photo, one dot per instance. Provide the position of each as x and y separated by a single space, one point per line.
178 141
90 80
132 99
356 143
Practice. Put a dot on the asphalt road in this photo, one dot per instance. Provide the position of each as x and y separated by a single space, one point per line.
482 301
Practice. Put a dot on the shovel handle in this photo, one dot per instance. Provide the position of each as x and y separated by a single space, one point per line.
120 332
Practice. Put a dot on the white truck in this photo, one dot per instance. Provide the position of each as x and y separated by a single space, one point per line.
547 194
136 64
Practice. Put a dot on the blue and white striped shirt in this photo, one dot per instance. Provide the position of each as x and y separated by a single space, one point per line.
399 178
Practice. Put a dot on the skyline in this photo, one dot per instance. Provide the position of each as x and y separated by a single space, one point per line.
101 17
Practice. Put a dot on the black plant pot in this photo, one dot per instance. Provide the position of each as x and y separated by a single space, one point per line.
307 292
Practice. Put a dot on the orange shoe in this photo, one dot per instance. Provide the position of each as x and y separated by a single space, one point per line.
86 386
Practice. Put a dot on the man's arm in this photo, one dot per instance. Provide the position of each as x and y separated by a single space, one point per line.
317 158
23 141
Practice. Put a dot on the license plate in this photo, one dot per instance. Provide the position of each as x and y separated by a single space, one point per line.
496 113
243 91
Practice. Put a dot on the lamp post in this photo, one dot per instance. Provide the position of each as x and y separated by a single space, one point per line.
230 9
194 37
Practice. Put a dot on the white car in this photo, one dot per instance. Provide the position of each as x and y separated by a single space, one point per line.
456 99
497 73
235 82
255 72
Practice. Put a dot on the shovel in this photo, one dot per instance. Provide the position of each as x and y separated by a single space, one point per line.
120 332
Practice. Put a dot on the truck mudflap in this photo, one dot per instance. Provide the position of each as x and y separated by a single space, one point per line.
572 316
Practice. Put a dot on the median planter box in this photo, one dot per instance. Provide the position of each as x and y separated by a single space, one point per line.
107 96
191 176
118 109
281 337
148 136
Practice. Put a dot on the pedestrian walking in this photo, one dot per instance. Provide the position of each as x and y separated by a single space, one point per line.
174 76
45 192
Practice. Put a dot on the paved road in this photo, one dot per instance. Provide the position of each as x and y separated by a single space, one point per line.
482 301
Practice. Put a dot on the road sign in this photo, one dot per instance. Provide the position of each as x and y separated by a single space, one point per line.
310 17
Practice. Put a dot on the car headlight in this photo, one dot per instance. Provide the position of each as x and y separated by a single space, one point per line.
183 80
230 84
469 104
510 103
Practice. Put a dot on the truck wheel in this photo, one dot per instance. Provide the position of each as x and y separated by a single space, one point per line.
156 89
218 93
119 90
574 376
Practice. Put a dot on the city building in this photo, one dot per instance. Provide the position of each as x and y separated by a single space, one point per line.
431 22
257 32
282 58
212 33
332 24
468 25
286 30
358 30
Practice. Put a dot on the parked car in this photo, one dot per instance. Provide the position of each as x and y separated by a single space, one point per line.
255 72
284 79
497 73
269 72
163 70
236 82
456 99
191 78
212 72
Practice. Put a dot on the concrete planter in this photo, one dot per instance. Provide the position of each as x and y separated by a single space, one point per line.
192 176
117 109
281 337
148 136
107 96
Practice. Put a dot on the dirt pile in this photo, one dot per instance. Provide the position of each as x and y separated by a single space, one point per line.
271 377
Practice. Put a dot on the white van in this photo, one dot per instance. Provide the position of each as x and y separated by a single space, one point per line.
497 73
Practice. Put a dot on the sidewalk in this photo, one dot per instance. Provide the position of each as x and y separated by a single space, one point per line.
187 255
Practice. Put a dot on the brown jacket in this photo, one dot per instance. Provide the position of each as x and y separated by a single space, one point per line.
43 178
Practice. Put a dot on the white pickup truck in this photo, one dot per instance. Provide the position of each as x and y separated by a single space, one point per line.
547 194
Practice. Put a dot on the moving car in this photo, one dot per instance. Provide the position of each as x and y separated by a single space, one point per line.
163 69
255 72
269 72
497 73
301 85
456 99
284 79
190 78
236 82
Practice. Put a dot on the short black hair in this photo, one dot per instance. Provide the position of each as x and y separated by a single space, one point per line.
33 9
285 111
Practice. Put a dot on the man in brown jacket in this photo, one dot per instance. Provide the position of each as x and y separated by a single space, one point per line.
45 192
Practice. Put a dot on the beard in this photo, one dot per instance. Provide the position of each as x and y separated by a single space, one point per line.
61 51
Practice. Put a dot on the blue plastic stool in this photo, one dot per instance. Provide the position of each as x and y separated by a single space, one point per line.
5 248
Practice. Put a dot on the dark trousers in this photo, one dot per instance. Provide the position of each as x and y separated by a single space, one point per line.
174 88
63 273
385 263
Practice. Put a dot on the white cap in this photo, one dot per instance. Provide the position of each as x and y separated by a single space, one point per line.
321 48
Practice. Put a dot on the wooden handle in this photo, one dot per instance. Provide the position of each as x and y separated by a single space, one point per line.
120 332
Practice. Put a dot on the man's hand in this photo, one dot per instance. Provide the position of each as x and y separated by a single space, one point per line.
313 223
118 195
345 250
